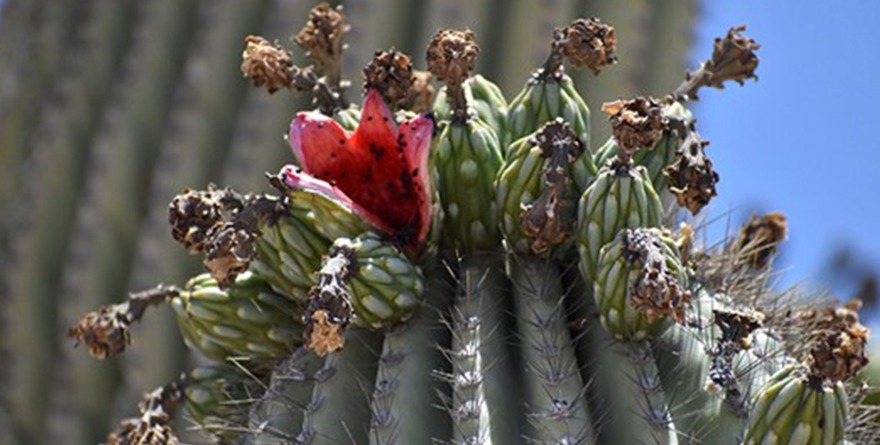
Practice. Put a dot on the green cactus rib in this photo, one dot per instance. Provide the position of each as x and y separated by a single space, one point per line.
466 157
483 405
339 410
401 409
543 100
484 100
555 394
276 418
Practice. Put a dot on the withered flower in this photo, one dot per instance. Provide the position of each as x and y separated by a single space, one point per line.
267 64
759 237
636 123
838 343
391 73
691 177
587 42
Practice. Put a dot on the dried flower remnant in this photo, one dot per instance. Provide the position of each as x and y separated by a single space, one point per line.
223 225
421 97
584 43
759 237
691 178
106 331
153 426
330 310
268 65
587 42
655 292
733 58
636 123
451 56
323 40
550 219
391 73
838 343
737 327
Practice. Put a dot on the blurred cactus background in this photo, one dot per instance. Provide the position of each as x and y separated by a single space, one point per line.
108 108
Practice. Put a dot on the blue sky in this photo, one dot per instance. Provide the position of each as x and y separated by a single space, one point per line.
801 140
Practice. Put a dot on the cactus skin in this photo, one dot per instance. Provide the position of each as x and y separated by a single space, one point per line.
246 320
555 396
792 409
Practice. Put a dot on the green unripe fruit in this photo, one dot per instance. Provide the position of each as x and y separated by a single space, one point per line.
386 287
621 197
537 188
640 284
348 118
543 99
466 158
792 408
218 398
484 100
246 319
364 280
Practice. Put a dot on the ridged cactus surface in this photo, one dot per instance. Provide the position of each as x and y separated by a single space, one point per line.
554 307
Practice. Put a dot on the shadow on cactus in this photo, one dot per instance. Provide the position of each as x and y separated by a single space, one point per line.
465 270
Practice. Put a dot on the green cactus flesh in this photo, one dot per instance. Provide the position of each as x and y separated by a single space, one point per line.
546 302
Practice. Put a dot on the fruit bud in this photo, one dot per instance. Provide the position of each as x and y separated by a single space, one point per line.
641 284
246 319
792 408
363 280
539 185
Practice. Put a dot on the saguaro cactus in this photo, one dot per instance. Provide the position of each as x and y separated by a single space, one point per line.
452 269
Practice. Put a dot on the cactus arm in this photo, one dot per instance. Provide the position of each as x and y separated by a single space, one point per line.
339 410
483 405
556 397
277 417
401 412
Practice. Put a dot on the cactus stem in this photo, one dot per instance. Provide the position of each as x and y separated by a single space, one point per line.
400 411
482 372
335 414
556 399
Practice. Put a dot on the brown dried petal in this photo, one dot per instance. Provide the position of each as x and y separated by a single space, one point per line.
759 237
838 344
391 73
152 427
322 36
655 292
421 98
195 215
266 64
636 123
691 178
733 58
452 55
737 325
550 219
330 310
229 253
105 332
587 42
